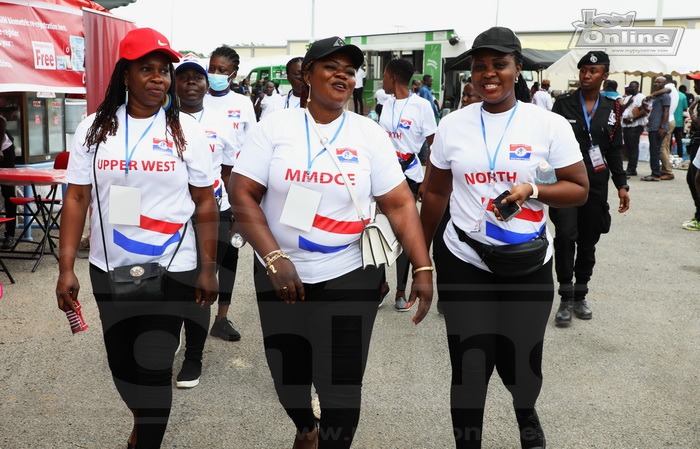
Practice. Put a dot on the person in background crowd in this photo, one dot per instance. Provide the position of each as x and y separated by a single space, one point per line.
380 97
237 111
192 86
534 89
634 119
415 85
658 126
595 120
679 119
317 304
469 94
542 97
357 100
668 88
694 135
244 87
268 101
293 97
408 121
7 160
610 90
684 90
426 91
497 321
136 126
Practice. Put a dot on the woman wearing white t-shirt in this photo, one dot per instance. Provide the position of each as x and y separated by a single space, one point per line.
317 304
497 320
138 150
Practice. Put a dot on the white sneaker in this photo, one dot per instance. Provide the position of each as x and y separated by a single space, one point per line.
400 304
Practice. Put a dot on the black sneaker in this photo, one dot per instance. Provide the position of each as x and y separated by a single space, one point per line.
224 330
563 315
531 433
581 310
8 243
189 374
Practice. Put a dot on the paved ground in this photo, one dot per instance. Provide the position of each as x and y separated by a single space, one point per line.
627 379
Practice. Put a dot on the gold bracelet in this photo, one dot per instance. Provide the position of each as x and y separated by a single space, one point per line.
270 254
269 263
418 270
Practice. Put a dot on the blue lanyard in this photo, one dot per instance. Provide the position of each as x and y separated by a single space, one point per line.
309 160
586 116
128 154
393 105
199 120
492 161
289 95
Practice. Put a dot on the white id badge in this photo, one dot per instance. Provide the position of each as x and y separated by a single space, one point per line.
124 205
597 158
300 207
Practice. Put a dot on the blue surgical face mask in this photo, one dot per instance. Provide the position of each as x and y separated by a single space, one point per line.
218 83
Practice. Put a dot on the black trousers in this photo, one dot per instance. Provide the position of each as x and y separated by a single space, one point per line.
324 341
8 161
631 137
196 317
491 322
140 339
578 230
358 104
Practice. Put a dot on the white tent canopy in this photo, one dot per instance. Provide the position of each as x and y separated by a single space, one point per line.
686 60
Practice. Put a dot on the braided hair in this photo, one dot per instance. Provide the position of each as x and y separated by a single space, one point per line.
106 124
522 92
227 52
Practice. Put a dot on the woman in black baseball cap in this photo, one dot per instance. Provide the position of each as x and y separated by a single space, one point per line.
496 309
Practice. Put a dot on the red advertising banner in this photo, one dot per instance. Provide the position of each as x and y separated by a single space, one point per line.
42 48
102 36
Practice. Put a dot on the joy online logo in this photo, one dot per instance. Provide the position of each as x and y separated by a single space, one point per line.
616 34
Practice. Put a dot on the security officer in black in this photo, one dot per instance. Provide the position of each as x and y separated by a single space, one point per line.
595 120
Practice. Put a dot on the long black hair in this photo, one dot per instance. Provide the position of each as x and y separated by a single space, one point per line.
522 92
106 124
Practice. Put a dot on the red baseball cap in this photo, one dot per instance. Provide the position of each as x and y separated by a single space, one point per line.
693 76
141 41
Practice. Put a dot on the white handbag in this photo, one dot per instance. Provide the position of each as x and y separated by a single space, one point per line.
378 243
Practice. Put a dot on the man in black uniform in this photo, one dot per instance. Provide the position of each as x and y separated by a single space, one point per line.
595 120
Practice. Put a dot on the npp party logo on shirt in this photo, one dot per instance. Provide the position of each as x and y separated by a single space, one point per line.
234 113
163 145
211 134
347 155
520 152
405 123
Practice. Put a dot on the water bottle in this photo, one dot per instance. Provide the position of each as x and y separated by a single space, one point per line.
373 115
75 319
237 240
545 173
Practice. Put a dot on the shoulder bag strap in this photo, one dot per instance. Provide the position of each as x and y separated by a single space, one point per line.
324 140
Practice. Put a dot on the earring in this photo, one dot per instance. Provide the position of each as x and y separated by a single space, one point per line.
126 95
308 99
516 80
167 102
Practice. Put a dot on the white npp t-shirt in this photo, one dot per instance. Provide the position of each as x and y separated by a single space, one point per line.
222 149
534 134
279 153
674 100
408 122
163 180
237 110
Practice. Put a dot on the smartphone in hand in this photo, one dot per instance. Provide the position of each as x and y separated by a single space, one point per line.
507 210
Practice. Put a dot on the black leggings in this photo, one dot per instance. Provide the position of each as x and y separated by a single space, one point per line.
491 322
197 317
324 341
140 339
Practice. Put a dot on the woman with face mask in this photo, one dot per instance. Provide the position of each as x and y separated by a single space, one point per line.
221 103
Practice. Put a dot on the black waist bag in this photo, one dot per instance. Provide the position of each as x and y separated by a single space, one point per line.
510 260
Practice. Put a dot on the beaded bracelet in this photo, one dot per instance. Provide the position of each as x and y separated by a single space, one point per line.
418 270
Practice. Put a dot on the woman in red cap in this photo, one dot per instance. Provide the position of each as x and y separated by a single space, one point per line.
137 150
317 304
496 309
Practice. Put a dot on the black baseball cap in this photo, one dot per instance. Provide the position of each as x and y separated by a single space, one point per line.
325 47
594 58
497 38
